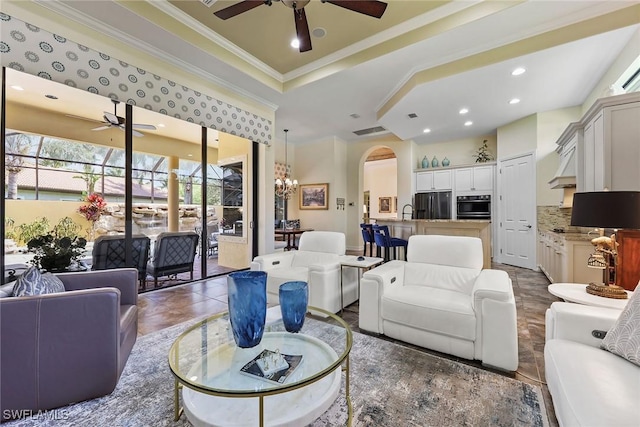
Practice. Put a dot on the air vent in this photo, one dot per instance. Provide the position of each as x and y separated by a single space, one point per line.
369 131
412 115
208 3
354 116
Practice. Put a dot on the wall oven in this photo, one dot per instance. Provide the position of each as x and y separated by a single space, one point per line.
474 207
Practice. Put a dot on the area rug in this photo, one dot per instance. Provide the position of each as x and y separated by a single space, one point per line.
391 385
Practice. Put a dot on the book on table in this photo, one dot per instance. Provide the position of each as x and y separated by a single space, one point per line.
272 366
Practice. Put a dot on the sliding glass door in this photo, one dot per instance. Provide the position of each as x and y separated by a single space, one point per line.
107 170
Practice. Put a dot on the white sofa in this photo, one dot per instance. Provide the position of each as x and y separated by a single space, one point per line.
442 299
317 262
589 386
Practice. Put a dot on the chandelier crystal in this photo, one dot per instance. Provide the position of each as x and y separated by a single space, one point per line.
286 187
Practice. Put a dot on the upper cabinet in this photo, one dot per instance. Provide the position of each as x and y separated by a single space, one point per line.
609 155
436 180
477 178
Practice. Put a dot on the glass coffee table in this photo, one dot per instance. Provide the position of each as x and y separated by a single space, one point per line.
206 363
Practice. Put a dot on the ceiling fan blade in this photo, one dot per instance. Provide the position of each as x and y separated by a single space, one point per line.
302 30
238 8
84 118
111 118
368 7
102 127
133 131
143 126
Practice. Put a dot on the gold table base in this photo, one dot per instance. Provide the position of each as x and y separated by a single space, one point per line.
607 291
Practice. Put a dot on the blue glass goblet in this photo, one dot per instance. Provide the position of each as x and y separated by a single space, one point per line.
294 297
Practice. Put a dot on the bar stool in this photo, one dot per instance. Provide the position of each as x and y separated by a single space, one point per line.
384 240
367 236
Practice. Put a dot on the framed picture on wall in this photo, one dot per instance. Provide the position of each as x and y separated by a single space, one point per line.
314 196
385 204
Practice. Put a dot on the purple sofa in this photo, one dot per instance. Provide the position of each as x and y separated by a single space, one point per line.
67 347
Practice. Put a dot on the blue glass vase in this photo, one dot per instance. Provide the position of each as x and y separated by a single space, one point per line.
293 304
247 306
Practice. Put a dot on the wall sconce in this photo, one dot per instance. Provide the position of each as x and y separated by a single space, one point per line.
606 209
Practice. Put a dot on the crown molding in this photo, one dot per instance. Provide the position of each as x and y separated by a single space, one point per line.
86 20
187 20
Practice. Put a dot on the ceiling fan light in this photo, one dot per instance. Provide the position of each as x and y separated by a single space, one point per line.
295 4
295 43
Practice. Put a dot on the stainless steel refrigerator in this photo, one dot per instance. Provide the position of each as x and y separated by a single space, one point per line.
433 205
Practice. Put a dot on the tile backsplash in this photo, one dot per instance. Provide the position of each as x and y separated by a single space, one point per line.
550 217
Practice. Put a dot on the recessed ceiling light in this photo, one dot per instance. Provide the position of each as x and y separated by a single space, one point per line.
464 111
189 155
518 71
16 87
468 123
51 96
319 32
514 101
160 125
427 130
295 43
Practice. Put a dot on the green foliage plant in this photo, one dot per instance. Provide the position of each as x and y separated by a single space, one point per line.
66 227
27 231
483 154
9 228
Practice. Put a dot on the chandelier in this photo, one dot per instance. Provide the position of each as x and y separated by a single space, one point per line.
286 187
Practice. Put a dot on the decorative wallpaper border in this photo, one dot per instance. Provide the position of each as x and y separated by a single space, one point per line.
27 48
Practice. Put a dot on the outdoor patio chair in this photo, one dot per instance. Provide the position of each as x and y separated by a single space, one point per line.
173 253
109 252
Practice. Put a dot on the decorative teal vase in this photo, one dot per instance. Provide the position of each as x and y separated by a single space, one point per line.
425 163
247 297
445 162
294 297
434 162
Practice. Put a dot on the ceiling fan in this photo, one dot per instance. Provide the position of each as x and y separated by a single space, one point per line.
113 120
367 7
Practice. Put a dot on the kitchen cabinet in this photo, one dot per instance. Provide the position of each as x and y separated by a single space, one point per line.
433 180
609 155
563 257
477 178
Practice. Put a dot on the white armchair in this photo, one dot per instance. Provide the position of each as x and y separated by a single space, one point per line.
442 299
317 262
589 386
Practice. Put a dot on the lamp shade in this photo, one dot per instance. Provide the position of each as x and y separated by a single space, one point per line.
606 209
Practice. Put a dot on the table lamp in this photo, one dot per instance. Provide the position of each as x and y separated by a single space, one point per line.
606 209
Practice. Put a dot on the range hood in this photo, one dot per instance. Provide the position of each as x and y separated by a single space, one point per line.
565 177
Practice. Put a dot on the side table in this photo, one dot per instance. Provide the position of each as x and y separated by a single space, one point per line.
362 265
576 292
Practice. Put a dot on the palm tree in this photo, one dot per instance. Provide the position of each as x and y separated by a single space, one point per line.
17 146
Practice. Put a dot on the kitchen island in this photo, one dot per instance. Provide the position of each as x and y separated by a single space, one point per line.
448 227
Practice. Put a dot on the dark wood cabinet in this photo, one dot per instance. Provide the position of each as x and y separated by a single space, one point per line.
628 270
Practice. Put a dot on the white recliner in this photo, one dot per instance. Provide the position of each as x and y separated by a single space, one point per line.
442 299
589 386
317 262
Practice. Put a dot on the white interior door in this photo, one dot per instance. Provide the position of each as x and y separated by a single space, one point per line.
517 212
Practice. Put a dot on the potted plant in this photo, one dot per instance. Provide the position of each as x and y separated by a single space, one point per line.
54 253
93 208
483 154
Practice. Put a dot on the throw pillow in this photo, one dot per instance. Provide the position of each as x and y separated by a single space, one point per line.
624 337
6 290
32 282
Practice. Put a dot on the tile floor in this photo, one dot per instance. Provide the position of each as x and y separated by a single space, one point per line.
165 307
